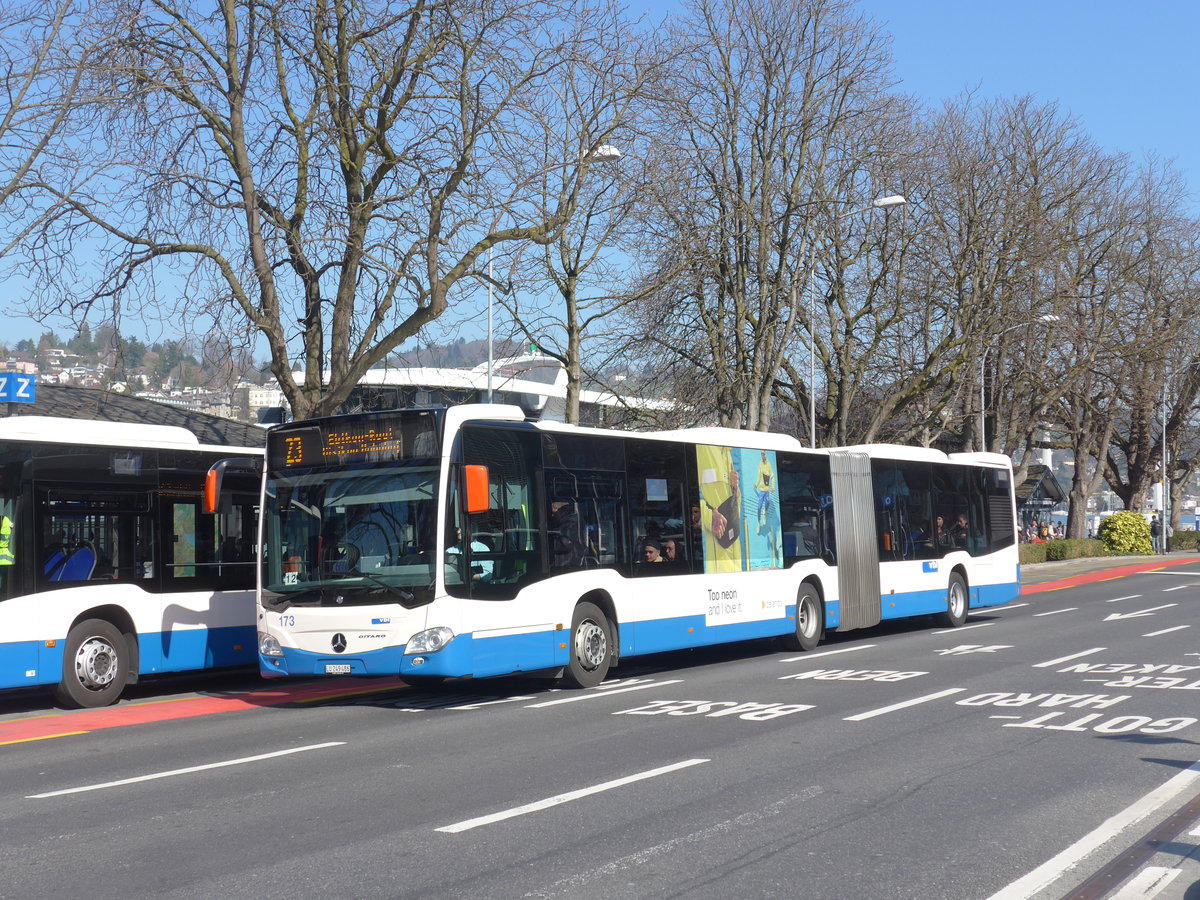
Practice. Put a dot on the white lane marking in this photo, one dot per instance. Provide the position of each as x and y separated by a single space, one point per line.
826 653
1062 659
559 799
1111 617
1168 572
575 698
1051 870
1149 882
1004 608
574 885
187 771
916 701
1166 631
963 628
1178 587
1195 832
482 703
1119 599
1055 612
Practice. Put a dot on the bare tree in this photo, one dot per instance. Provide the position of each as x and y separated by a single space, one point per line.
748 119
324 174
40 91
578 278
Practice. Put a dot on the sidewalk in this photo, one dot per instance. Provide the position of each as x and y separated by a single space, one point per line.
1041 573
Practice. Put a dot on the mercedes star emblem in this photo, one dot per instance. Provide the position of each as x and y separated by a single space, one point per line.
338 642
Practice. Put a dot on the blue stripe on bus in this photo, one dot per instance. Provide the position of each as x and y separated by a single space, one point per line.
17 659
168 651
197 648
541 650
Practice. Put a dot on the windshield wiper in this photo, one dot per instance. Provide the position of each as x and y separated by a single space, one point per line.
404 595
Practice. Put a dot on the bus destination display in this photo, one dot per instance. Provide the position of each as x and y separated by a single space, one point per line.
364 441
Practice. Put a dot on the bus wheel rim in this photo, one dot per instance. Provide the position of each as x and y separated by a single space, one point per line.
96 663
808 617
957 599
591 644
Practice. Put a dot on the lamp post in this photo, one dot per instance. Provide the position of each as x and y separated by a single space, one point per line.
1047 317
879 203
605 153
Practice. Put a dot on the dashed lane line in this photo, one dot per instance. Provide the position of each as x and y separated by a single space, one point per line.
962 628
905 704
1055 612
1166 631
575 698
559 799
190 769
1062 659
808 656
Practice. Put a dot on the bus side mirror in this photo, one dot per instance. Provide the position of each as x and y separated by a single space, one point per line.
476 491
211 500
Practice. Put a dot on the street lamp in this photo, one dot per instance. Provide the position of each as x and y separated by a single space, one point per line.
1046 317
605 153
879 203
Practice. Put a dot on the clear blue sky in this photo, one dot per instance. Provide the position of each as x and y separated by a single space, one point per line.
1126 71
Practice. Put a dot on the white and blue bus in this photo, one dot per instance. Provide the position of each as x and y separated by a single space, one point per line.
109 569
468 542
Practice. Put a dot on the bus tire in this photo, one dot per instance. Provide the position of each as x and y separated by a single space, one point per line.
95 665
590 648
955 615
809 620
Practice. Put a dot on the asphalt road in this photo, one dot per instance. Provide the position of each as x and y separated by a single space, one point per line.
1047 749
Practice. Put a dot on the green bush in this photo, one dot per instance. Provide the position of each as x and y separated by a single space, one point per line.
1125 533
1033 553
1074 549
1185 540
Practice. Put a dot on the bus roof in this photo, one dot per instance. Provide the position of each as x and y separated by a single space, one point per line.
60 401
59 430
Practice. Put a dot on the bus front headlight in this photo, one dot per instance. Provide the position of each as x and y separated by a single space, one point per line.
429 641
268 645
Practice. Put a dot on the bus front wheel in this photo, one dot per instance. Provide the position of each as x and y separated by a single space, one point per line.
955 615
591 647
809 619
95 665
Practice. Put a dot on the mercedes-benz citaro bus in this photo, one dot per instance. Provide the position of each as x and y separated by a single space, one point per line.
437 543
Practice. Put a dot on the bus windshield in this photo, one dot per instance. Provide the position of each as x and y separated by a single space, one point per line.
351 536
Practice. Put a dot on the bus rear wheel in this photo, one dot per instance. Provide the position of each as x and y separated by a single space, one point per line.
95 665
809 619
591 647
955 615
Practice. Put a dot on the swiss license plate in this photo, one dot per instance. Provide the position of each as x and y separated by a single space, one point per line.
337 668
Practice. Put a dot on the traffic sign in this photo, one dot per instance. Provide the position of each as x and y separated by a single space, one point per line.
18 387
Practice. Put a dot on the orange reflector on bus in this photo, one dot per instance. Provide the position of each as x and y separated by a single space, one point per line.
51 643
212 491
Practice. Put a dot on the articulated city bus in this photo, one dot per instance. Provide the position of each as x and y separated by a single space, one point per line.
109 569
468 542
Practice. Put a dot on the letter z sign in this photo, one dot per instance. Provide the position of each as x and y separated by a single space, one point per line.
18 388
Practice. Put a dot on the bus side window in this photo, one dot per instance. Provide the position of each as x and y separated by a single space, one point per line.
656 505
805 506
502 543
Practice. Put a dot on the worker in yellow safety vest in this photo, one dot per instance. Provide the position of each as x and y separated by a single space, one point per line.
6 548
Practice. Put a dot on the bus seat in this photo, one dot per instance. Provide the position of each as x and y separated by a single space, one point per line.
78 566
53 562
